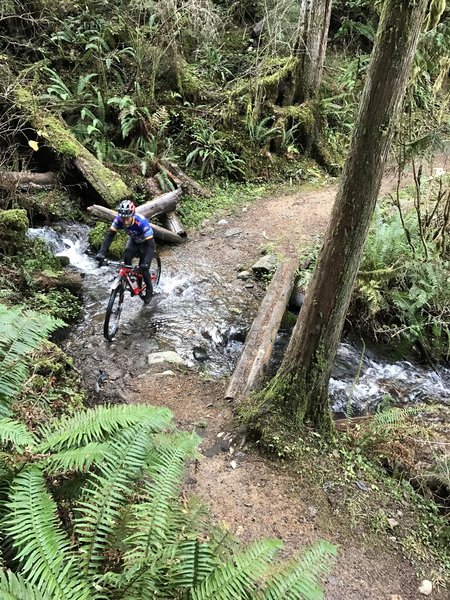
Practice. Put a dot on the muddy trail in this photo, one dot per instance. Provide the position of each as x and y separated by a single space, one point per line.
252 495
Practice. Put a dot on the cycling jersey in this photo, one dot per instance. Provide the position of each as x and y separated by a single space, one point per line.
139 231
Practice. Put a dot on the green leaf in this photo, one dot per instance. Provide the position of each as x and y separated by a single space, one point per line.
44 551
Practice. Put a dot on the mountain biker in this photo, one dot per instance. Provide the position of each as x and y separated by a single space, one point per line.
140 242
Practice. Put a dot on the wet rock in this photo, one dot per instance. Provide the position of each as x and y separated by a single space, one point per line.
296 300
200 354
160 357
265 265
244 275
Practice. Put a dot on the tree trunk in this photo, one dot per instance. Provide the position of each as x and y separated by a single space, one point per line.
250 370
172 222
314 22
10 180
161 204
55 134
300 388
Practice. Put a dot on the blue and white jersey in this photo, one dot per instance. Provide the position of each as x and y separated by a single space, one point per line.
140 229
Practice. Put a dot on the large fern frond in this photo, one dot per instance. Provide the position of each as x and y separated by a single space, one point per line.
15 587
152 519
20 332
108 490
75 459
43 549
237 578
16 433
98 424
300 579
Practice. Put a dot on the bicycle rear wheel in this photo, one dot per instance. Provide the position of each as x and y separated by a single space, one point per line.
113 312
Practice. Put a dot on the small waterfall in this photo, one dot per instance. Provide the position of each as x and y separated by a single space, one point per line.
69 240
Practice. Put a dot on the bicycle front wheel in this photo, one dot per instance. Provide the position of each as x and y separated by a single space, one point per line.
113 312
155 269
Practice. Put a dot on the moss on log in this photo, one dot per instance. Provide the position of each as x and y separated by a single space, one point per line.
56 134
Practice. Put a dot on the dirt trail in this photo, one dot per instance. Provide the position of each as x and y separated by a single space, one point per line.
253 496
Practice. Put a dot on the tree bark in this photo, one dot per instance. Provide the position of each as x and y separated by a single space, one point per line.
250 370
10 180
314 22
173 223
301 385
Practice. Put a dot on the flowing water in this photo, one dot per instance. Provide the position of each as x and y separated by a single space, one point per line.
205 319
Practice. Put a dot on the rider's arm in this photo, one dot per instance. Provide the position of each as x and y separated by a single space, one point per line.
107 241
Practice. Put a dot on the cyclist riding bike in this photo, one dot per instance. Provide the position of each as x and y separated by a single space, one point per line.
140 243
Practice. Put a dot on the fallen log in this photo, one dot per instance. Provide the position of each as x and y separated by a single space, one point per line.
10 180
173 223
179 177
161 234
161 204
53 132
251 368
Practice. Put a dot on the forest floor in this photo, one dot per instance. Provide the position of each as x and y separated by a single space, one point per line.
253 495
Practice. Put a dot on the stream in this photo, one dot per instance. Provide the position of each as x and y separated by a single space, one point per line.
204 319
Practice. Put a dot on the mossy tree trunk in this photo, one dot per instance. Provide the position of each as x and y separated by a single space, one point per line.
304 81
108 184
300 389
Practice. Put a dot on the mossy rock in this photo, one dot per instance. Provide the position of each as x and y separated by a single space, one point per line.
97 235
51 205
13 228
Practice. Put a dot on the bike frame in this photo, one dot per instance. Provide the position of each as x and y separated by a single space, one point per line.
124 277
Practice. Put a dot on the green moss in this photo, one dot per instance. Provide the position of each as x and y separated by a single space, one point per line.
13 228
97 235
52 204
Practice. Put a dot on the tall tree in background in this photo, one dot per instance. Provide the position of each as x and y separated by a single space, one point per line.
300 388
310 47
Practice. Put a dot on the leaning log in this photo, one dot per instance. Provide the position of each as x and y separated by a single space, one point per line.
161 234
10 180
180 178
252 365
173 223
53 132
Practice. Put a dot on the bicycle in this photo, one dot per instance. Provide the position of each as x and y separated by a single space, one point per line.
129 278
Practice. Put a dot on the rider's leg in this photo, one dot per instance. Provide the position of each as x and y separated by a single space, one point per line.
147 252
131 250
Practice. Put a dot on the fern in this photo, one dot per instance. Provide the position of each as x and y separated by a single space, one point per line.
15 587
20 332
43 550
300 578
108 491
98 424
237 578
153 518
16 433
76 459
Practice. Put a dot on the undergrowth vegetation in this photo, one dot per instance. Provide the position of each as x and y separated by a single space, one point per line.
91 502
